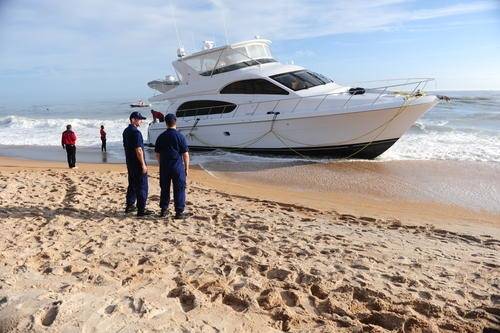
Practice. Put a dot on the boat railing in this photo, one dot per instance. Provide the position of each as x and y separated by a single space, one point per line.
250 108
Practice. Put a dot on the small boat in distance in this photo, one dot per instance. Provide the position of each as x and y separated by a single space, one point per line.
140 104
239 98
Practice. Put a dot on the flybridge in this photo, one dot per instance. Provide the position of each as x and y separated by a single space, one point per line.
228 58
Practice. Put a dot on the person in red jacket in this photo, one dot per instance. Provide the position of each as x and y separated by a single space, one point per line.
68 141
157 116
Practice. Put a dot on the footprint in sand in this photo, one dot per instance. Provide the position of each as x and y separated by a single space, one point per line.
419 325
290 298
50 313
279 274
3 301
238 301
110 309
137 305
318 291
186 298
388 320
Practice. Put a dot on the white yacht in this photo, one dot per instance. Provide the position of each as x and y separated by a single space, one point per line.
239 98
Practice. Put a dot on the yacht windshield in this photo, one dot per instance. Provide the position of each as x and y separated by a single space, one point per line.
239 65
230 58
299 80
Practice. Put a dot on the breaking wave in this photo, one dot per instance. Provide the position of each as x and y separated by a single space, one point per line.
25 131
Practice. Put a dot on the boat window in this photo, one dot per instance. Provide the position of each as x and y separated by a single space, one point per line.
258 51
205 62
222 68
322 77
256 86
299 80
227 59
204 107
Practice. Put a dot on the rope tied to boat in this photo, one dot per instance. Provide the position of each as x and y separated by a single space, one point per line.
242 145
283 139
194 126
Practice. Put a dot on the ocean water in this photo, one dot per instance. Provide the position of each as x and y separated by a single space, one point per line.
467 128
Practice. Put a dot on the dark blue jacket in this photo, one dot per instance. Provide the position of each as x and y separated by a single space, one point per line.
171 145
132 139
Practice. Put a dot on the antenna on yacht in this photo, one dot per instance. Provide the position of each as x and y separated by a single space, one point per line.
225 27
193 41
180 50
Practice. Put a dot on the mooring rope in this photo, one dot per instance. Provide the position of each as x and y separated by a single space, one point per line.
283 138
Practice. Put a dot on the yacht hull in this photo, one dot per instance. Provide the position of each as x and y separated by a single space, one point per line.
366 150
336 134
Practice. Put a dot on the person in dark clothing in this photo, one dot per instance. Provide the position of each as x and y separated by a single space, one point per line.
157 115
103 139
172 154
136 166
68 142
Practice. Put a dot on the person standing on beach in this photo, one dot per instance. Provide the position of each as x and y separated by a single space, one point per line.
136 166
172 154
103 139
68 142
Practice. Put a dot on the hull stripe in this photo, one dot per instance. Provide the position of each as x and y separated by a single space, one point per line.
359 150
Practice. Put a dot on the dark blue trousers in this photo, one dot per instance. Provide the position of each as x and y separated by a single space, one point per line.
71 154
176 176
137 190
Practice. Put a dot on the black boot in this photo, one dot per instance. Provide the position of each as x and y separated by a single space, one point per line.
181 215
130 209
145 212
164 212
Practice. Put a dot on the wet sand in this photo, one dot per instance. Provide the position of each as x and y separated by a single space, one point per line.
57 154
255 256
461 194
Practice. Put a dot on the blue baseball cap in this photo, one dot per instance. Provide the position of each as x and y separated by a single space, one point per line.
136 115
170 117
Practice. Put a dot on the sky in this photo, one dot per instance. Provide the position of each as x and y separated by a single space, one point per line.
60 51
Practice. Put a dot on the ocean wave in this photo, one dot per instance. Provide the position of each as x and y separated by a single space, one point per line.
18 130
462 146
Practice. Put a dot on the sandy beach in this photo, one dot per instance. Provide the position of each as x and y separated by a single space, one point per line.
72 261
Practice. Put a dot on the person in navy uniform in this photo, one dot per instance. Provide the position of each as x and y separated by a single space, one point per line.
173 156
136 166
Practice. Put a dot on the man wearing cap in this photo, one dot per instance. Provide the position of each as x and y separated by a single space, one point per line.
172 155
136 166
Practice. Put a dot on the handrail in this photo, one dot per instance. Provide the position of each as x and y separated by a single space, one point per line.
301 98
396 79
379 95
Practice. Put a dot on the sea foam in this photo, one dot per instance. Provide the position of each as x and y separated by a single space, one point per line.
20 130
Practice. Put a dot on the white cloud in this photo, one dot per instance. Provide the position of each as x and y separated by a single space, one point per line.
130 24
103 37
459 9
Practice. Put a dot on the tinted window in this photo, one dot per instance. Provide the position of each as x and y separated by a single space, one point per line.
200 108
322 77
239 87
257 86
301 79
